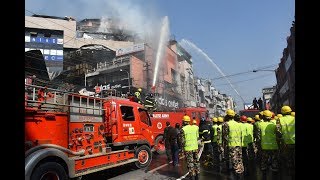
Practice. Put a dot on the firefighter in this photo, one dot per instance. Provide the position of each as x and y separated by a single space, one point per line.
206 134
269 145
216 142
189 136
274 118
194 123
173 141
256 135
137 94
250 148
244 142
279 115
219 140
150 103
231 133
286 131
167 140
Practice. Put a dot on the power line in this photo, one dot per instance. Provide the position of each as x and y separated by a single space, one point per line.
245 72
245 80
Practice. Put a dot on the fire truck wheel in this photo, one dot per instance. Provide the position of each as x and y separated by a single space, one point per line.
143 153
159 145
49 170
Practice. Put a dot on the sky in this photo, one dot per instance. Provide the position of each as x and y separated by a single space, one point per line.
234 36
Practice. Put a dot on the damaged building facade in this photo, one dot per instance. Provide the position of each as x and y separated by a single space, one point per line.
115 59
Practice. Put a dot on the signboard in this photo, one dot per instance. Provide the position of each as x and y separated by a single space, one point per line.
128 50
268 90
50 43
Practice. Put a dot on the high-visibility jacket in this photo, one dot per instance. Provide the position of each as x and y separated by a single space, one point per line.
234 133
246 134
288 129
191 135
215 128
195 126
273 121
137 94
268 136
249 138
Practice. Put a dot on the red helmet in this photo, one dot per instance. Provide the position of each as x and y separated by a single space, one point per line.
243 118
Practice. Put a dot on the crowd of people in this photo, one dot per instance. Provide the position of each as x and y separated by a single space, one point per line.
233 142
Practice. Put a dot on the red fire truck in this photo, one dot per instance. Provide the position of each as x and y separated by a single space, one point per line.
159 120
69 135
249 112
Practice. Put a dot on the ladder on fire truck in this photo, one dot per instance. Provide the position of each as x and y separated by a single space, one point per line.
48 99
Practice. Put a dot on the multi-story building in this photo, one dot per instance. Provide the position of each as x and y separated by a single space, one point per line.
266 96
56 38
134 67
212 99
285 74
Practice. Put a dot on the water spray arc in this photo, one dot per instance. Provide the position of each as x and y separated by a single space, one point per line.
185 43
164 37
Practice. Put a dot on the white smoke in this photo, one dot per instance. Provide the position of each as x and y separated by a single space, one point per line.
131 17
140 18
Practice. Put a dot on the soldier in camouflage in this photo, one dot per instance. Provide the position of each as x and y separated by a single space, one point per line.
217 142
256 135
231 133
286 130
269 144
188 137
250 148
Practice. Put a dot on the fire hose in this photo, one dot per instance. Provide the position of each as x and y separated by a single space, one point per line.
201 149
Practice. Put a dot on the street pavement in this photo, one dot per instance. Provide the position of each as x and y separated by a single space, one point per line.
159 169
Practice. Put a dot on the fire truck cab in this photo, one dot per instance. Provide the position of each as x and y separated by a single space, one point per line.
69 135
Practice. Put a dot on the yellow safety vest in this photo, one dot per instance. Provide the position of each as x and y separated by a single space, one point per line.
268 136
191 135
273 121
249 138
215 133
288 129
234 133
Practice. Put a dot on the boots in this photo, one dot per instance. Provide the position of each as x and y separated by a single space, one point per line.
197 177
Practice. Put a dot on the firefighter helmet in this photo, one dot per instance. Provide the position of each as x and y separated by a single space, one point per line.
220 119
243 118
230 112
139 89
214 119
285 109
194 121
256 117
186 118
249 119
267 113
279 115
293 114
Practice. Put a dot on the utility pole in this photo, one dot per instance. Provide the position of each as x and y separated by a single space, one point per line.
147 70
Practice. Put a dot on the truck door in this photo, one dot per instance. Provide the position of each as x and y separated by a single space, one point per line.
130 125
145 125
